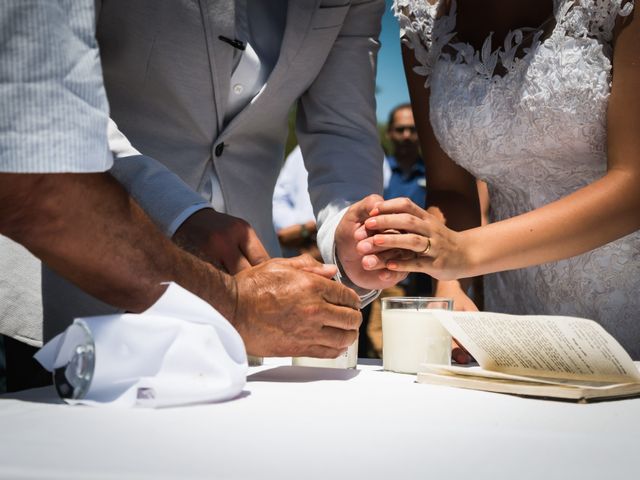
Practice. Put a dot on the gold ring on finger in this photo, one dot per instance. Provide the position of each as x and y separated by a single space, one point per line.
427 248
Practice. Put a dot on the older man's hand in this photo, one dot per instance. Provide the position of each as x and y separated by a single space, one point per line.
290 307
350 232
222 240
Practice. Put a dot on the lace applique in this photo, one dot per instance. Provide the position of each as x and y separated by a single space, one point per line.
420 31
427 33
593 18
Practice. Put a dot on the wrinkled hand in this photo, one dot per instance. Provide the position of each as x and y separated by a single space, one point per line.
290 307
428 245
350 233
227 242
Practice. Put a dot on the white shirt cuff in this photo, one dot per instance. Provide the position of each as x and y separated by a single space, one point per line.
366 296
327 246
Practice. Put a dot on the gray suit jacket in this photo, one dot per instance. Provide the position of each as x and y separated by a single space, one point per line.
167 76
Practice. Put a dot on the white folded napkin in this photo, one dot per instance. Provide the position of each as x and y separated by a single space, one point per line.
179 351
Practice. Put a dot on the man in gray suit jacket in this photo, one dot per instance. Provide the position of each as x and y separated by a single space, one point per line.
57 201
203 89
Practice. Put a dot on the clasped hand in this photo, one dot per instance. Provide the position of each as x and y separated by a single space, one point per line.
405 238
351 235
283 307
291 307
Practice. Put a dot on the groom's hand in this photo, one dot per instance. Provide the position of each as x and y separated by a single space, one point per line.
226 242
349 233
291 307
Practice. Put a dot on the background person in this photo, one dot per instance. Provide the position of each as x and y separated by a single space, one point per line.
293 217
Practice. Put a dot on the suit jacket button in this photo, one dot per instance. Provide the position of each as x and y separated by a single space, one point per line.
219 149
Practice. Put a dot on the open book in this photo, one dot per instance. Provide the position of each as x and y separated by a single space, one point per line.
541 356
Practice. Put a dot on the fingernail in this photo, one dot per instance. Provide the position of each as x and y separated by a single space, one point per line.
374 212
378 240
370 261
366 246
392 265
371 222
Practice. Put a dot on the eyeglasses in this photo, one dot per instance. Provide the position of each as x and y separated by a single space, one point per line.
400 129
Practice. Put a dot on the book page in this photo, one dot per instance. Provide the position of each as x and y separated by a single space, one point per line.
548 389
491 374
544 346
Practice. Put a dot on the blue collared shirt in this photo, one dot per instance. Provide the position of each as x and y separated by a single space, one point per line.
412 185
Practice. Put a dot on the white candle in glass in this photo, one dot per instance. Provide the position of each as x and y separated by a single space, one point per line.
348 359
411 337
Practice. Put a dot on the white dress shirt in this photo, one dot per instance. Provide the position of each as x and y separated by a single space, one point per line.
260 27
291 202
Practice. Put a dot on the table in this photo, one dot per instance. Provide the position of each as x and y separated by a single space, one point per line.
313 423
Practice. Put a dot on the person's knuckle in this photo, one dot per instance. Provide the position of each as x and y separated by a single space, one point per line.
312 351
300 349
349 297
339 340
348 338
356 320
310 286
320 352
312 310
349 319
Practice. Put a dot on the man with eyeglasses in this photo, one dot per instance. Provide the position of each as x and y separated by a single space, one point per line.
407 170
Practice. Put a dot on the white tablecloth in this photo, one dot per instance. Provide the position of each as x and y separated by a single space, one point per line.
307 423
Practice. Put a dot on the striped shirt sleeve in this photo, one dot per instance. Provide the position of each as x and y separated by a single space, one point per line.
53 107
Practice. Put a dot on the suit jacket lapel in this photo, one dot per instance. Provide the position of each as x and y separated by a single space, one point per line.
299 15
219 19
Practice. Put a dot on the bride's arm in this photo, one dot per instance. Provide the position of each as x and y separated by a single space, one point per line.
598 213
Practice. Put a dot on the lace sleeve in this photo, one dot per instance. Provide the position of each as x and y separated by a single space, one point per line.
595 18
423 31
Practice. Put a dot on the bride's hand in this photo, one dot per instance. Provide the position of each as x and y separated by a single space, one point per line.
433 248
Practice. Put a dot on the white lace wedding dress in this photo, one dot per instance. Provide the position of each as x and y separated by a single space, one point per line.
530 120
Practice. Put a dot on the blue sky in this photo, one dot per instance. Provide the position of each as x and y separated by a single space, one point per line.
392 88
